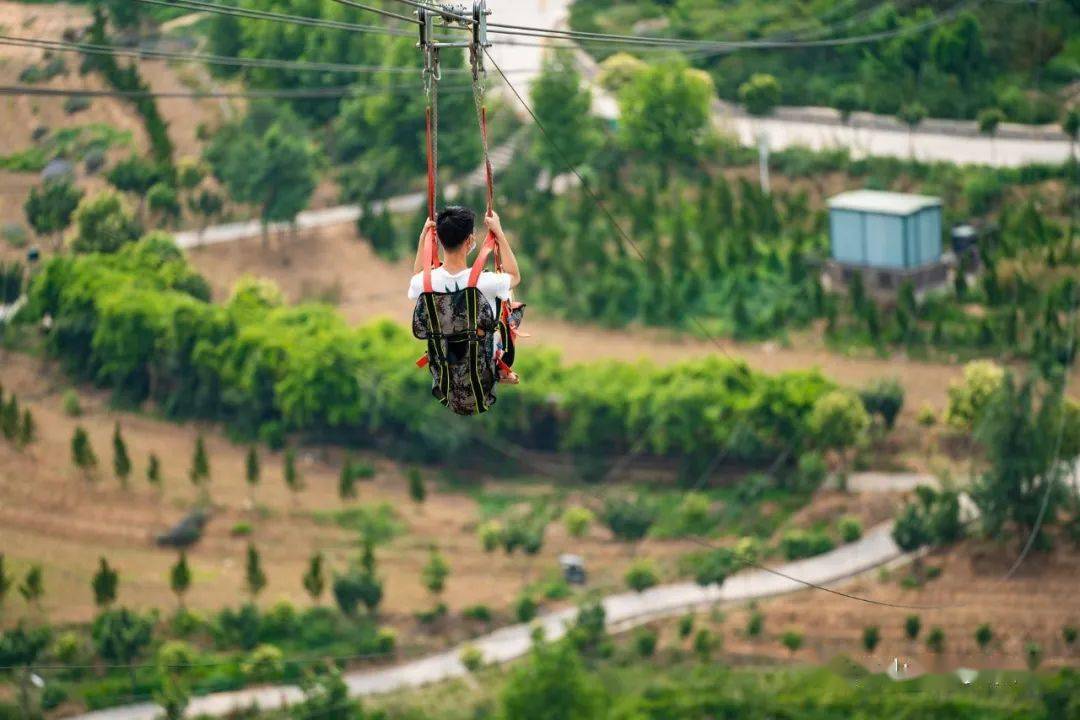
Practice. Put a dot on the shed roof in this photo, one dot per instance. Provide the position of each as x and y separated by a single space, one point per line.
887 203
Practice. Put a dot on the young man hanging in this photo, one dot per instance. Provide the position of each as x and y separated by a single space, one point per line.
454 228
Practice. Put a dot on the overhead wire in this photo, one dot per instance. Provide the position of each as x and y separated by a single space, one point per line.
282 93
252 14
378 11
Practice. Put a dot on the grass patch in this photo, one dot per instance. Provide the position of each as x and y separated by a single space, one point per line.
379 523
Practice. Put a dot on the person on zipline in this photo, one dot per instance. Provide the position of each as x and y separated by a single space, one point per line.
454 229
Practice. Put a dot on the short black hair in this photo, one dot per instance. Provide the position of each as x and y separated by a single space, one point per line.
454 225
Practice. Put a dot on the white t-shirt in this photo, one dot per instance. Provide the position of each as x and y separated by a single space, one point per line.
491 284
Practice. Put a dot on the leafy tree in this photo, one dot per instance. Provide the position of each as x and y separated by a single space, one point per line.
200 464
82 454
563 104
32 588
121 461
313 580
838 420
912 115
871 637
207 205
104 584
103 224
135 175
957 48
1022 484
180 578
847 99
163 203
491 535
551 684
252 473
254 575
988 121
120 637
969 398
435 572
1068 633
665 113
49 208
984 636
173 696
20 647
792 640
293 480
645 642
760 94
642 575
273 170
417 489
153 471
266 663
885 398
912 626
358 585
577 520
525 608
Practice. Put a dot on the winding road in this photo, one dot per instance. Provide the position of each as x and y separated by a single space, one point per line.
624 611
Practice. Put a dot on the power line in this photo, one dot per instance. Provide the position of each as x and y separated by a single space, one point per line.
140 53
251 14
378 11
284 93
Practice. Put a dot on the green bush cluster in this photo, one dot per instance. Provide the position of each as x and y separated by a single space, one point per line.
139 321
798 544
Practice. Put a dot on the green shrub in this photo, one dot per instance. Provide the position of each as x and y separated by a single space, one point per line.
53 696
525 609
642 575
686 625
850 529
480 613
812 470
472 658
704 643
1069 634
266 663
385 641
799 544
242 528
912 626
577 520
755 623
935 640
884 398
792 640
645 641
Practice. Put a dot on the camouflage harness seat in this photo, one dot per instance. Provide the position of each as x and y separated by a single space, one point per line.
459 328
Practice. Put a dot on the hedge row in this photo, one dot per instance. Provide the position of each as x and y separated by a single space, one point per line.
139 321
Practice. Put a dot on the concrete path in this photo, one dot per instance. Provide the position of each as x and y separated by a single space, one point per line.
624 611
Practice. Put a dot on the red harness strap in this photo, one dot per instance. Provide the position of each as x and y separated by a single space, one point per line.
430 250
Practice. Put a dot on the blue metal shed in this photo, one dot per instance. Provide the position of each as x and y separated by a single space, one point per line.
875 229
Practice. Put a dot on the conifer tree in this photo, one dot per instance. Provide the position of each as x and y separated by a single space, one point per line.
252 473
9 417
121 460
200 464
254 574
6 581
417 489
104 584
293 480
180 578
347 480
27 428
313 580
82 454
32 588
153 472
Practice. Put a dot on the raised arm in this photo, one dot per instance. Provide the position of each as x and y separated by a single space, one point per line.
418 264
510 263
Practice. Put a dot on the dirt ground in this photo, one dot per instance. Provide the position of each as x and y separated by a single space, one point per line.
1033 606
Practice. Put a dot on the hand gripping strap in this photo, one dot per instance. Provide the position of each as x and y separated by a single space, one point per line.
490 245
430 254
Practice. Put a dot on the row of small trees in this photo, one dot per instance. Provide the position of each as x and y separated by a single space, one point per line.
17 424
